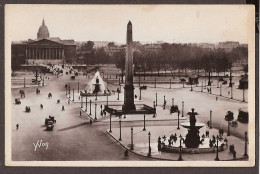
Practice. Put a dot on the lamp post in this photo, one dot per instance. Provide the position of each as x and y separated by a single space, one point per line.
172 101
191 89
210 118
139 79
120 139
182 109
178 120
144 129
81 102
107 99
170 83
95 111
90 107
69 90
43 81
86 104
164 102
140 97
245 154
220 90
243 94
202 87
210 88
156 98
205 82
132 145
117 94
180 157
218 83
78 87
231 91
155 82
66 89
154 109
149 150
24 82
73 94
110 124
217 159
118 79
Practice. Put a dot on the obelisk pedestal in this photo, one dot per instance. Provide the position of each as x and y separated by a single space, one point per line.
129 87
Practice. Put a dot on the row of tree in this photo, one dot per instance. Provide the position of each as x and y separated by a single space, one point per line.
171 57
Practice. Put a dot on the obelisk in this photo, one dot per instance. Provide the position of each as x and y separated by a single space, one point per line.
129 87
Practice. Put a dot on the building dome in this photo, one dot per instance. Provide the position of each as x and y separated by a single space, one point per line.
43 31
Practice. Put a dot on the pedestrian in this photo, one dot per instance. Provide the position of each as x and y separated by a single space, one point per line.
208 123
79 113
210 90
17 126
63 108
234 154
90 122
105 113
207 89
216 98
126 153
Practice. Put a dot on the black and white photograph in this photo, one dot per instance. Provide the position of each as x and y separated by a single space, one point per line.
130 85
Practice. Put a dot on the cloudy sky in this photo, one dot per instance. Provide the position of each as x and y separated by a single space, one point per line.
151 23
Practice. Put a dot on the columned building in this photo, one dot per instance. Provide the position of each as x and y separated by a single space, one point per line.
44 50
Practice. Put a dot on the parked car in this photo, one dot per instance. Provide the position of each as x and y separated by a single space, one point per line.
17 101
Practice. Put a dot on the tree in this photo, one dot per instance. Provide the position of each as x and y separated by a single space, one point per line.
88 46
111 44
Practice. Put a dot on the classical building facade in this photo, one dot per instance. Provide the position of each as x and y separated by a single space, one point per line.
43 50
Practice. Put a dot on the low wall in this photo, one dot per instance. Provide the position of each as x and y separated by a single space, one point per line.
172 149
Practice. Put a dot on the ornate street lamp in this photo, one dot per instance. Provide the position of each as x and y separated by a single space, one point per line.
245 154
149 150
132 145
144 129
180 157
81 102
217 159
95 111
154 109
90 107
86 104
110 131
178 120
155 82
156 98
182 109
210 118
202 87
73 94
120 139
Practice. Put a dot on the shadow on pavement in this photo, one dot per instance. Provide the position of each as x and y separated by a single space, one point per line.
72 127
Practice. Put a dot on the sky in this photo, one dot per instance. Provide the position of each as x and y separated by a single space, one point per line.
151 23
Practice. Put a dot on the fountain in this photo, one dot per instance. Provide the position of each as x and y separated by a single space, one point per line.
192 138
96 86
193 142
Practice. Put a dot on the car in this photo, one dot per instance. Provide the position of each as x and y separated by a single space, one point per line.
143 87
72 77
233 123
224 82
17 101
50 126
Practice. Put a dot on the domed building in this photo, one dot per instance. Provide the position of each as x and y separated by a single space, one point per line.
43 50
43 31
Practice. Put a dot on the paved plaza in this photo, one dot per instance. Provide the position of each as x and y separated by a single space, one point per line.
74 138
